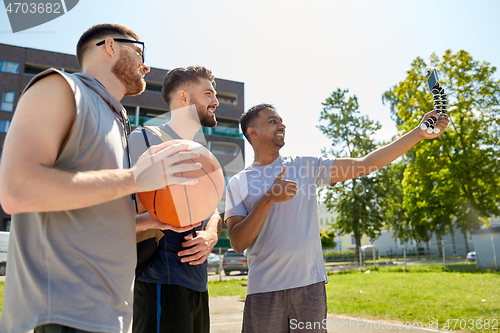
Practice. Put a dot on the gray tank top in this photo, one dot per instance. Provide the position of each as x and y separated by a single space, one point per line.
76 267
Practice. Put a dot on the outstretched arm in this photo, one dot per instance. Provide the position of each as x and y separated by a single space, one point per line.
349 168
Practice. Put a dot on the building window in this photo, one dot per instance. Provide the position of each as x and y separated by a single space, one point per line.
10 67
7 101
227 98
226 129
154 87
353 240
321 221
151 117
223 148
34 69
4 125
6 224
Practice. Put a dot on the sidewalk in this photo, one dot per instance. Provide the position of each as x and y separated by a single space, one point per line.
226 316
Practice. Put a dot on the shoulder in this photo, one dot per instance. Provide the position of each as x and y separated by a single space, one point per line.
53 79
138 135
300 160
239 177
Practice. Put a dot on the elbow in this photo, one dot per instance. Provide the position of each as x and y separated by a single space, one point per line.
238 249
9 206
236 246
11 199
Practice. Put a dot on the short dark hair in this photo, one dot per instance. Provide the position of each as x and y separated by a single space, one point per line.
180 76
248 117
100 31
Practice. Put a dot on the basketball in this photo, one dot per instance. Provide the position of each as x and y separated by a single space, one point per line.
184 205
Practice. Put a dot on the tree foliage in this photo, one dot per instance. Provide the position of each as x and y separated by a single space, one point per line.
454 178
354 200
327 239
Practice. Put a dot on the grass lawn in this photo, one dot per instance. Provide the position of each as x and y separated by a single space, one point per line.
2 287
423 294
227 288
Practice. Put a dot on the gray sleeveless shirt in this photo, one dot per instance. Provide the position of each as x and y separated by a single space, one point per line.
76 267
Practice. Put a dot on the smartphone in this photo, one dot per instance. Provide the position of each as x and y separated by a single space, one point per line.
433 80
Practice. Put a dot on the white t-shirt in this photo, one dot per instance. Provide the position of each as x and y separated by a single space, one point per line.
287 252
76 267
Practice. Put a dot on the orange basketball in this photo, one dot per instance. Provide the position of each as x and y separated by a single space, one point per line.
183 205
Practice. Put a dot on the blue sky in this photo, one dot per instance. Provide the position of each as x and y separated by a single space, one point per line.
292 54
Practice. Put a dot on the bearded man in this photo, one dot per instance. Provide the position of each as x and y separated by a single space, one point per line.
66 181
170 293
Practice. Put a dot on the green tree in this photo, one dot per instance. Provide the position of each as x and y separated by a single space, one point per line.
454 178
354 200
327 239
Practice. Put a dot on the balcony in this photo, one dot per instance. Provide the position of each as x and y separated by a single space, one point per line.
223 131
150 121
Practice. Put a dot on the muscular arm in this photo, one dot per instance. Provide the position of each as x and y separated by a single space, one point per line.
244 230
349 168
40 128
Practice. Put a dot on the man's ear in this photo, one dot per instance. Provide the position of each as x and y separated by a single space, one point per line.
252 132
110 47
183 97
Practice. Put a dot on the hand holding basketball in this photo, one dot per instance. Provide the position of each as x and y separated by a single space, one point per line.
177 204
145 221
157 166
282 190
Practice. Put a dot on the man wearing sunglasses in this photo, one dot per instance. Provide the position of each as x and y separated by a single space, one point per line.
67 182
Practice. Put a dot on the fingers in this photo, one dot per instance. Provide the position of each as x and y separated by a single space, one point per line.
175 148
177 157
184 167
433 124
291 188
283 190
199 261
282 174
196 254
179 229
156 168
173 180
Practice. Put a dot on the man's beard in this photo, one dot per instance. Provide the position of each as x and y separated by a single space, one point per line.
128 74
206 118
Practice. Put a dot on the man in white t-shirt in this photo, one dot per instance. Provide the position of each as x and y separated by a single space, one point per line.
271 211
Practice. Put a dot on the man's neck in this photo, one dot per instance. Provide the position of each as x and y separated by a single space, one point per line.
186 128
109 81
265 156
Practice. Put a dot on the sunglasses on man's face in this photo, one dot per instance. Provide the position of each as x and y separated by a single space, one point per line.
130 41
